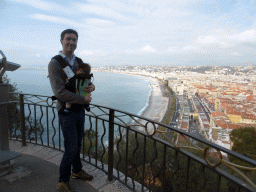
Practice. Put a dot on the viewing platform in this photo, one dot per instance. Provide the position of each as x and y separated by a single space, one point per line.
37 169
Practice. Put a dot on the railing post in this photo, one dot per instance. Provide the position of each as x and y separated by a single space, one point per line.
111 145
4 97
22 120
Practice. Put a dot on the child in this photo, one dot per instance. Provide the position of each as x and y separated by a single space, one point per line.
79 85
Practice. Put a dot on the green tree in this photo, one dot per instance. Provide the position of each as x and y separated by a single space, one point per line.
12 108
14 121
89 143
175 168
244 142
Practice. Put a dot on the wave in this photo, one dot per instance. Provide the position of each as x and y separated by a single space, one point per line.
141 112
147 103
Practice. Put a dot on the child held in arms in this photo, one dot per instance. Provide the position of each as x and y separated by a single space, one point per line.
80 85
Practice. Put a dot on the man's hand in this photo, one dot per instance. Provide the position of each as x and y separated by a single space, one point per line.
87 98
90 88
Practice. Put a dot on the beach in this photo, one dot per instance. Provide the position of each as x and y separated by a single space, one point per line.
157 107
157 104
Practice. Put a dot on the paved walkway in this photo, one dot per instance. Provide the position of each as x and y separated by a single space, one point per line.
37 169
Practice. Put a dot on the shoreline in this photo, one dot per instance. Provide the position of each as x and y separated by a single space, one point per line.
157 104
157 107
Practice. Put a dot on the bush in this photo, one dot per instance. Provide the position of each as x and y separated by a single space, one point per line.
14 119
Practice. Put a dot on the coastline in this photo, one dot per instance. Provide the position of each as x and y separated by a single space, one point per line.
151 106
157 104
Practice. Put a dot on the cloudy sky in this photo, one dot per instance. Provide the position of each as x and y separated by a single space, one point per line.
131 32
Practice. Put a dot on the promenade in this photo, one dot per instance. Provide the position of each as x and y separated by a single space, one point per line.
37 169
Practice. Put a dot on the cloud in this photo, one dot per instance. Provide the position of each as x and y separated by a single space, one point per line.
85 53
169 12
190 48
172 49
224 39
245 36
147 48
9 44
54 19
49 6
39 4
91 53
99 22
235 54
208 40
100 11
164 28
37 55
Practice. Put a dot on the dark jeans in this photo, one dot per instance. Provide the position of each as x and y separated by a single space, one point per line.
72 126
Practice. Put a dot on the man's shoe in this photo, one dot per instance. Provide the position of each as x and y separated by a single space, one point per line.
82 175
65 187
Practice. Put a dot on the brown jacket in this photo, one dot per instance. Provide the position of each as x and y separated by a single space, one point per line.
57 79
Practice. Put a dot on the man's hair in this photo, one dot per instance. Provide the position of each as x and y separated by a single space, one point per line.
68 31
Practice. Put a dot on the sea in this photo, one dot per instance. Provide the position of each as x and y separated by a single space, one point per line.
119 91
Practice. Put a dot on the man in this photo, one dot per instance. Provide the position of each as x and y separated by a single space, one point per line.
72 123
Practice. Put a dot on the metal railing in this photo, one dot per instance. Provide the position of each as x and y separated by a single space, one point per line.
133 150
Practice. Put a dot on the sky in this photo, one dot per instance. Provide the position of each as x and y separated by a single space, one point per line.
131 32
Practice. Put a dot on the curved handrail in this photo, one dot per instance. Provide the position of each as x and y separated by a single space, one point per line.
143 122
237 155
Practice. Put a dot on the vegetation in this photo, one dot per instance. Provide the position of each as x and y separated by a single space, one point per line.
244 142
33 127
171 108
12 109
172 174
89 141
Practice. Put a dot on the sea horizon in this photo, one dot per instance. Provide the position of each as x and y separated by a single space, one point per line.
123 90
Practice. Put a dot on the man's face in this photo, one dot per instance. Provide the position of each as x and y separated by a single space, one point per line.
69 42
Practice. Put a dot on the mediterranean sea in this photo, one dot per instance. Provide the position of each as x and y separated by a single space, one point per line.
118 91
122 92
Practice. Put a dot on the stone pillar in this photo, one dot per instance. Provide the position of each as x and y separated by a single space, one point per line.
4 97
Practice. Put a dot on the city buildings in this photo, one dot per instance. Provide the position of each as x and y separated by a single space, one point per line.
222 98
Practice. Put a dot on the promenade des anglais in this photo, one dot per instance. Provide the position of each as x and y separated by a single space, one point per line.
218 99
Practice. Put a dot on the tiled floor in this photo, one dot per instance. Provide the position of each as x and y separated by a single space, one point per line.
100 181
